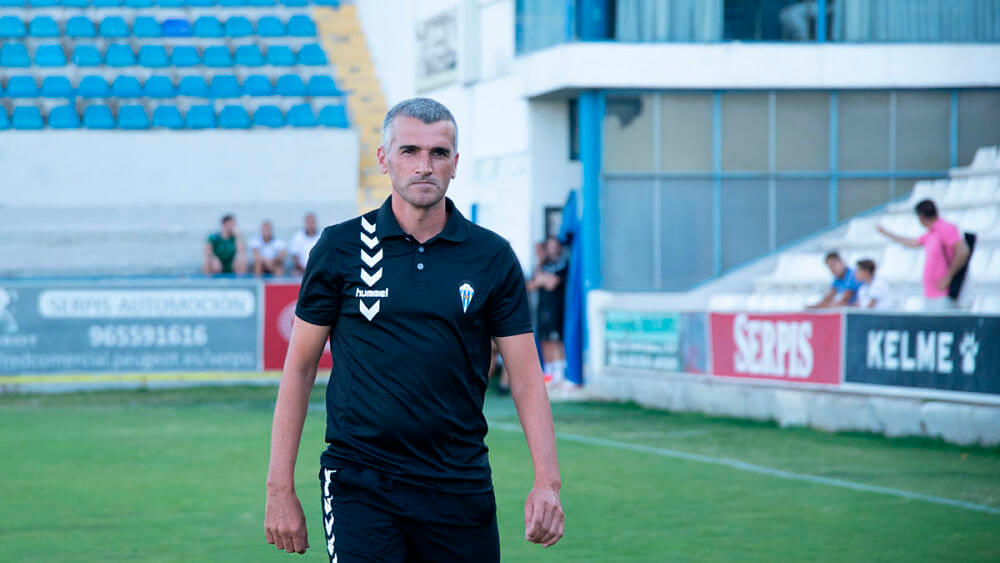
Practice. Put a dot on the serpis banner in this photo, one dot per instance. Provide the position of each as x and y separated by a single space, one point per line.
952 353
800 347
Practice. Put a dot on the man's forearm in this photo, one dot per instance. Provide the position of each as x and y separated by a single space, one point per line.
535 414
286 430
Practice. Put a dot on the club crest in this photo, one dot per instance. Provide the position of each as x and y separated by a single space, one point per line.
465 291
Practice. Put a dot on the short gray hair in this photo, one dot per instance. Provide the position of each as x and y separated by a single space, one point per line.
424 109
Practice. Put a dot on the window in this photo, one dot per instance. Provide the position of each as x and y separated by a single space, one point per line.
744 131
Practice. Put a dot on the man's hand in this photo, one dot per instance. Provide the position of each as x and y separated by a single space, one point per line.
944 283
285 523
543 516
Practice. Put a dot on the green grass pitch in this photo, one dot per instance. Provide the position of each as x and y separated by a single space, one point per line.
178 475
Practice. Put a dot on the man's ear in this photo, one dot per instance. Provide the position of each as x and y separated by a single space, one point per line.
383 166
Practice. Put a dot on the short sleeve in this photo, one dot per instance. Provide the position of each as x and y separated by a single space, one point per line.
950 235
508 305
852 282
923 239
320 292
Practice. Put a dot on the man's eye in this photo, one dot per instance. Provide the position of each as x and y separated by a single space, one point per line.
440 153
408 151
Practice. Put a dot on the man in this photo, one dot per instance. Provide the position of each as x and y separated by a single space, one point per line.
302 243
409 296
874 292
549 280
844 290
268 252
224 252
945 252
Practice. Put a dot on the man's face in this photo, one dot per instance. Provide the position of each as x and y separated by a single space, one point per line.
925 221
266 230
836 267
229 227
310 224
421 160
862 275
553 249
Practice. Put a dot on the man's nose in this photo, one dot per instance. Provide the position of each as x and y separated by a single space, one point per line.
423 164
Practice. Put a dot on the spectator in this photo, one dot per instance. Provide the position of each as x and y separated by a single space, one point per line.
268 252
874 292
945 250
844 290
550 281
302 243
224 252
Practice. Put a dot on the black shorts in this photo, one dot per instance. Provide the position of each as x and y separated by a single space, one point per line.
369 517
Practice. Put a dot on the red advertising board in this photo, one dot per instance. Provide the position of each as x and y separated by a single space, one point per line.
279 312
802 348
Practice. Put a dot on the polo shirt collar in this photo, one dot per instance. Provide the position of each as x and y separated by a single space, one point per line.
456 229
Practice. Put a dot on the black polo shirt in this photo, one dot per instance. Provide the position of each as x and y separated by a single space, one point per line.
411 343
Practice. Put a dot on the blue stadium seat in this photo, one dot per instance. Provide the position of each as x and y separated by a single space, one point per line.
201 117
126 87
132 116
331 3
22 87
301 115
234 117
159 87
232 3
146 26
225 86
57 87
333 116
280 55
14 54
218 56
153 56
12 27
200 3
107 3
113 27
238 26
301 26
80 27
27 117
86 55
270 26
268 116
185 55
93 86
177 27
261 3
43 3
4 119
76 3
172 4
12 3
249 55
64 117
322 85
43 26
194 86
168 117
312 55
139 3
208 26
295 3
50 55
119 55
257 85
98 117
290 85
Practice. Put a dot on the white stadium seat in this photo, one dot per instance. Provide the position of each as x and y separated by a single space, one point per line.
728 302
901 264
987 304
986 158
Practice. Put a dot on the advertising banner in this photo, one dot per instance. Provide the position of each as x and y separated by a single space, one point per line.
952 353
658 341
279 313
801 348
62 327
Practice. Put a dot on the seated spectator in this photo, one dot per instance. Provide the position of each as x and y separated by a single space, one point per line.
302 243
224 252
268 252
844 290
874 292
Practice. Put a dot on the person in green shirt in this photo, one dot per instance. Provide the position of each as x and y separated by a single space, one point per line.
224 250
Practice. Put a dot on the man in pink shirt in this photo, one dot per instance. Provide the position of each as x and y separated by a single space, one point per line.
945 250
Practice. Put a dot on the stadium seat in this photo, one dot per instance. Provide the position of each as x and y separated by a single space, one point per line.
268 116
225 86
200 3
139 3
270 26
146 27
280 55
168 117
86 55
257 85
201 117
159 87
132 117
193 86
301 115
234 117
301 26
15 55
64 117
333 116
295 3
172 3
21 87
107 3
12 3
232 3
57 87
312 55
27 117
249 55
177 27
119 55
322 85
43 3
12 27
290 85
261 3
80 27
76 3
331 3
5 119
50 55
218 56
93 86
238 26
208 26
98 117
153 56
184 56
43 26
113 27
126 87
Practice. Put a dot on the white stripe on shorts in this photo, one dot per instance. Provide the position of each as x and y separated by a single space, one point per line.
328 513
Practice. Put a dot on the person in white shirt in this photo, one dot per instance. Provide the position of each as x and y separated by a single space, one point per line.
302 243
268 252
874 292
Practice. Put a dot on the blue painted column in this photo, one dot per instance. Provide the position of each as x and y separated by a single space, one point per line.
590 119
592 20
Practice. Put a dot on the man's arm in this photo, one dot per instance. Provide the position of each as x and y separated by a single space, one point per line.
284 521
910 242
206 266
826 301
543 515
845 298
961 252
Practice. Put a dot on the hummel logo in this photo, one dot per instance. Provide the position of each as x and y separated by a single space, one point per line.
367 226
369 312
371 260
370 242
371 279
